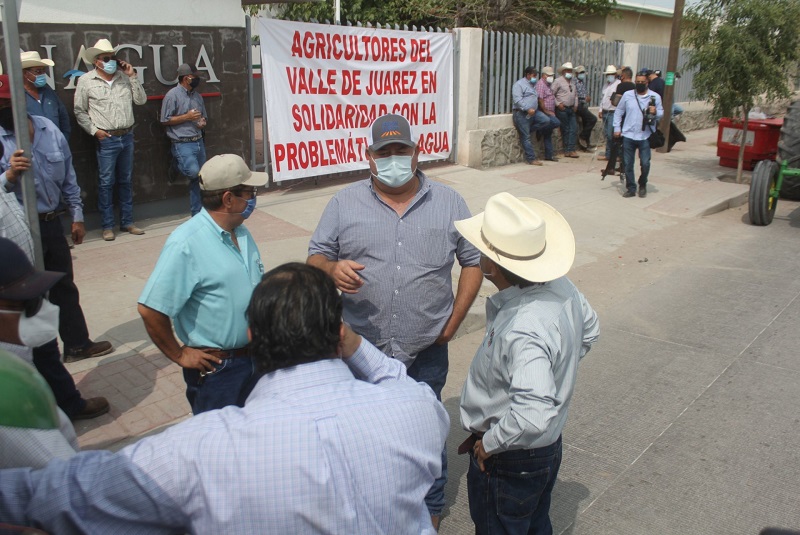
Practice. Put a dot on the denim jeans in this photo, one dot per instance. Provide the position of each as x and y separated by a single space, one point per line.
569 128
220 388
608 128
115 166
430 367
189 158
629 147
513 495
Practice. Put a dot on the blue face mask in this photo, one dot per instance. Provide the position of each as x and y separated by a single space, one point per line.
610 78
568 76
581 76
251 205
110 67
534 80
40 81
394 171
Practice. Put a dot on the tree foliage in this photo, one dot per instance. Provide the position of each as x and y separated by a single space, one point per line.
743 50
533 16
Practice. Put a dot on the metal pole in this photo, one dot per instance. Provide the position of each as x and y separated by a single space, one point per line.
337 11
251 111
8 9
672 64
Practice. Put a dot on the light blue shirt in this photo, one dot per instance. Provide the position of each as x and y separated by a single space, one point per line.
521 380
630 109
523 95
314 450
53 174
407 295
204 283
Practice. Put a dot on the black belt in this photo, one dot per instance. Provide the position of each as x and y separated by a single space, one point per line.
49 216
188 139
120 132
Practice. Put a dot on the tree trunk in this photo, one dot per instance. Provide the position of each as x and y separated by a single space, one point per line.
742 145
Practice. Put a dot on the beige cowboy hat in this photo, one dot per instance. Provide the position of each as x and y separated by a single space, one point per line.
526 236
610 69
33 59
547 71
102 46
580 68
566 66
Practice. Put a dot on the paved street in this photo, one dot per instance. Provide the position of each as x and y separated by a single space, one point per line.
684 419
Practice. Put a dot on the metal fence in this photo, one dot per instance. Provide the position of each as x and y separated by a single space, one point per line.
505 56
655 57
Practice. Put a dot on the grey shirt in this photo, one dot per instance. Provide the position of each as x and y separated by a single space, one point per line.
179 101
103 106
407 295
521 380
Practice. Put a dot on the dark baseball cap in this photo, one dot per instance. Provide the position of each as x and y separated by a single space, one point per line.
186 69
391 128
19 280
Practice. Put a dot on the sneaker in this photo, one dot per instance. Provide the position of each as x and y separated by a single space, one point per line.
629 193
94 407
133 229
108 234
90 350
642 192
535 162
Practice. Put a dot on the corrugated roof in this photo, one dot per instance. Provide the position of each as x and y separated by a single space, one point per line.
642 7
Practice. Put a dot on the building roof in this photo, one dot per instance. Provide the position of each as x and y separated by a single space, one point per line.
640 7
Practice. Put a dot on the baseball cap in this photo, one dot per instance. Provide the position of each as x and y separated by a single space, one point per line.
186 69
657 72
391 128
226 171
5 86
19 280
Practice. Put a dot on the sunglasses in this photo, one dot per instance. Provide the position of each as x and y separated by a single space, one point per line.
248 192
106 59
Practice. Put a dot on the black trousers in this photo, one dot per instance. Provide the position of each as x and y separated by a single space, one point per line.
587 119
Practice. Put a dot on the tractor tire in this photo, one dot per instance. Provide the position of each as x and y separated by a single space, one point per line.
761 205
788 148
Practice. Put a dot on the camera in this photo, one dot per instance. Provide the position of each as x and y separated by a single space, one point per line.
649 119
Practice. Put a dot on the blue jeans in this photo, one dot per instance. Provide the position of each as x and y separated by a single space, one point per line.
189 158
430 367
220 388
513 495
115 166
538 122
629 147
608 128
569 128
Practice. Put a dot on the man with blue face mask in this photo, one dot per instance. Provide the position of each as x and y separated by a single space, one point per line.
40 98
389 244
202 284
104 102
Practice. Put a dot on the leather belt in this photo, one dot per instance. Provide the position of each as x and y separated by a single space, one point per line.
49 216
188 139
120 132
226 353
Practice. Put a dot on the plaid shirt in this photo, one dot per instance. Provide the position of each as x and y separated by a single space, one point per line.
549 101
580 87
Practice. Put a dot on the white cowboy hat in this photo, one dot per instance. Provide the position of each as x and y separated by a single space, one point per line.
102 46
566 66
610 69
33 59
548 71
526 236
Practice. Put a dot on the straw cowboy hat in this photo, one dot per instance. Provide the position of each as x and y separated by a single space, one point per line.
102 46
547 71
526 236
580 68
566 67
33 59
610 69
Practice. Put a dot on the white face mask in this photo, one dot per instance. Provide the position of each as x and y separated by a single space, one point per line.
40 328
610 78
549 79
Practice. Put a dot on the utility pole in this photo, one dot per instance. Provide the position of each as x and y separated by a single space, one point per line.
672 64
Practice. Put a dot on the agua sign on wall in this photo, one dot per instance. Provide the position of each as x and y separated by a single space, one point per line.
324 85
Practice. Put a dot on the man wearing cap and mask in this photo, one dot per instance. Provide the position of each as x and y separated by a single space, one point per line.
40 98
32 429
202 283
607 108
104 102
183 113
389 244
56 191
518 389
588 120
566 105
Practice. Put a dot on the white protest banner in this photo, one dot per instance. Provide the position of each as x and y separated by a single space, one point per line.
324 85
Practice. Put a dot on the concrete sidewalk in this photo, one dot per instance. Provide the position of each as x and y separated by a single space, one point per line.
146 391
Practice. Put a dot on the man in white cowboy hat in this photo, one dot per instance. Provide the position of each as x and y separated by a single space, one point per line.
607 108
104 102
518 389
566 106
40 97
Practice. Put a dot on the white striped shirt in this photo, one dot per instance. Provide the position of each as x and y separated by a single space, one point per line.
521 380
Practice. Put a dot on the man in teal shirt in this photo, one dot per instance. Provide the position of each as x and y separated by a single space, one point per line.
202 284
